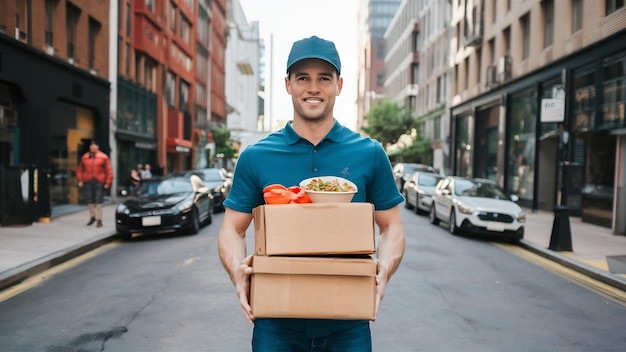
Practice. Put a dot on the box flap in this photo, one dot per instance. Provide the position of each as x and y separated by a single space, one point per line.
314 265
315 228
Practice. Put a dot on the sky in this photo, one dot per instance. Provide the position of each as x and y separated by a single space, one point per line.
286 21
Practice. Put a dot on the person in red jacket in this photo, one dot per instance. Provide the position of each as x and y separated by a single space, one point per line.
94 174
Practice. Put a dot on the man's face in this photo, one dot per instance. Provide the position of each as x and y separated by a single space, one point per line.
93 148
313 85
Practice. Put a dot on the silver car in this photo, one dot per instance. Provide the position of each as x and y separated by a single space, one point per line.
418 191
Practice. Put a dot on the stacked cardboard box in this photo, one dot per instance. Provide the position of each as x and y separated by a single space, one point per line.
311 261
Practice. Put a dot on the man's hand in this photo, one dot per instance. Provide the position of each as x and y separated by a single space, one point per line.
382 276
80 183
242 284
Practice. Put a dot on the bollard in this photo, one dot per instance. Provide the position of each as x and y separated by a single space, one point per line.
561 239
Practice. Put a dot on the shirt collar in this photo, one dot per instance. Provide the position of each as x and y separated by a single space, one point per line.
292 137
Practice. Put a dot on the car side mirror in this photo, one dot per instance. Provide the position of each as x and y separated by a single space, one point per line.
514 197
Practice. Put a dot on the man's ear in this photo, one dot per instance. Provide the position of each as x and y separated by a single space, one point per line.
287 85
339 85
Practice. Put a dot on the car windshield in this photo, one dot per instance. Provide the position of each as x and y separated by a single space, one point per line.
428 180
165 187
212 176
468 188
411 168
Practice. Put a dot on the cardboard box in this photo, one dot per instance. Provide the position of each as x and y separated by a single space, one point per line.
313 287
314 229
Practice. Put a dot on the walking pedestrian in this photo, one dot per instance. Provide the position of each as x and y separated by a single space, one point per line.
312 144
146 173
94 174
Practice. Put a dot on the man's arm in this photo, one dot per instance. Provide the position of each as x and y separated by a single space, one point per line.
390 247
232 250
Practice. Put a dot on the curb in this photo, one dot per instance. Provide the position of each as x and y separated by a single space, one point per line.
18 274
588 270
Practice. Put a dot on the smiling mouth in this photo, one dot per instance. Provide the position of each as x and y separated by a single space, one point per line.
312 100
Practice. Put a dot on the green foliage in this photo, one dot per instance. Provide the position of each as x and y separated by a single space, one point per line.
419 152
223 144
387 121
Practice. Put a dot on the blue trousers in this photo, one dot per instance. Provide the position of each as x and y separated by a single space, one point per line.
278 338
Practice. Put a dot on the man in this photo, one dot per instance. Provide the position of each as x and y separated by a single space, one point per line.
146 173
94 174
312 144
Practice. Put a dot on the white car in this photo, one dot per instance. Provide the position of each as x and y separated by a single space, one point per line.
477 206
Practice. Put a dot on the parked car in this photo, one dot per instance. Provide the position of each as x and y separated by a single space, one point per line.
402 171
477 206
166 204
219 181
419 189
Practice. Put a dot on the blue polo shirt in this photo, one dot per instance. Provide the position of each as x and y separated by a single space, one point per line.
285 158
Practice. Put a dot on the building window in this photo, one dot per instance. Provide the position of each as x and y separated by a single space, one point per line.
479 64
520 142
150 5
172 17
525 22
380 51
614 91
584 98
467 73
380 80
577 15
185 29
170 82
71 22
611 6
203 27
127 60
128 16
183 101
94 29
49 22
548 22
463 146
506 36
21 20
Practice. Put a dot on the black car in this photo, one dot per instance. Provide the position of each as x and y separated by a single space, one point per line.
219 181
402 171
168 204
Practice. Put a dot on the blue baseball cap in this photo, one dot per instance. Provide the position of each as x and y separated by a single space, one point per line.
314 48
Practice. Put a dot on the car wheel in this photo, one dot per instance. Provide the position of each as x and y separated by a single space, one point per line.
417 204
432 217
452 223
125 236
195 222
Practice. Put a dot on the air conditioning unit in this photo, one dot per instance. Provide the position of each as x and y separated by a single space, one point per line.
49 50
505 68
71 60
412 90
492 76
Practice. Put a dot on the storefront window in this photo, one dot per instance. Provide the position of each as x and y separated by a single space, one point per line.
463 146
584 98
613 91
521 143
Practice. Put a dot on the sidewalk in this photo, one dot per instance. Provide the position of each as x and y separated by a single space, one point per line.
29 250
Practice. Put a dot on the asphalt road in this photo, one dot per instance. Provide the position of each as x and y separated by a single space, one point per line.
170 293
